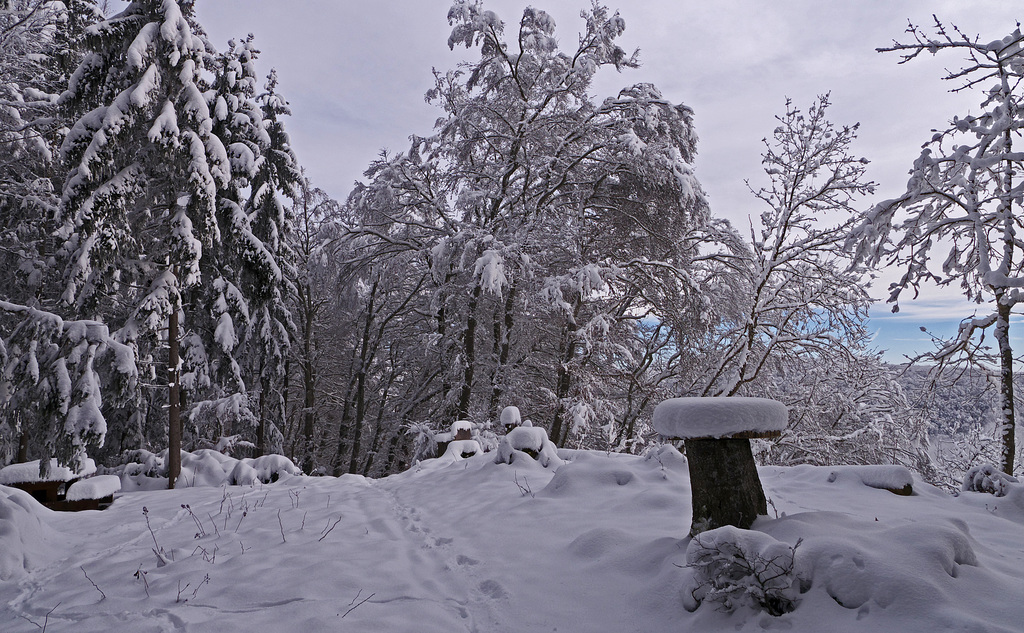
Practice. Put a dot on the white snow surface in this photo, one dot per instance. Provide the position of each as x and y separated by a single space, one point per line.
877 476
510 416
513 446
204 467
94 488
718 417
458 448
597 544
28 472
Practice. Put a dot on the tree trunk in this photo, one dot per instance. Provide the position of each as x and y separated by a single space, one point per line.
308 405
308 385
502 346
261 427
563 380
174 404
469 357
22 448
1006 384
725 486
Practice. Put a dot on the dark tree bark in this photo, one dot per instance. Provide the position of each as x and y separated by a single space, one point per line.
502 347
1009 422
174 408
261 427
469 357
725 485
563 380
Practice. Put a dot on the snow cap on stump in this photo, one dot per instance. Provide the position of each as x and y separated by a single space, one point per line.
510 416
715 418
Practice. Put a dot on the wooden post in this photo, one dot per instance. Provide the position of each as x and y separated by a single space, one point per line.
174 408
725 486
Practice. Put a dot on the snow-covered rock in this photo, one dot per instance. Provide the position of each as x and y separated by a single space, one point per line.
896 479
718 417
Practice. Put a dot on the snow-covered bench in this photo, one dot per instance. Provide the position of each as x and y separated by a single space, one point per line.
717 432
62 488
91 493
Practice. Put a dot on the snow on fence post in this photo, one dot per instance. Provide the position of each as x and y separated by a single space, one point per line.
717 432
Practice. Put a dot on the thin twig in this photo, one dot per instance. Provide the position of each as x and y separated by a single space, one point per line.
328 530
351 609
281 523
93 584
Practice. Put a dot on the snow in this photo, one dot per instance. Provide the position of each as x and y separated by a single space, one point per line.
528 442
458 448
29 472
26 539
718 417
204 467
94 488
597 544
884 477
987 478
510 416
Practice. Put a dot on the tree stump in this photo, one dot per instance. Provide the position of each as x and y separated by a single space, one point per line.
726 489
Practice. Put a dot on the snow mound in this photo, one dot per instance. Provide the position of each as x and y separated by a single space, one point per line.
718 417
28 472
205 467
896 479
25 537
857 563
96 487
528 442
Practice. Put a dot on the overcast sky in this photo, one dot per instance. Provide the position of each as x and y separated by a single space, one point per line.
355 73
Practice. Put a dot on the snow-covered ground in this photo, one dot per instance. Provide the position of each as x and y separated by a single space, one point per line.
597 543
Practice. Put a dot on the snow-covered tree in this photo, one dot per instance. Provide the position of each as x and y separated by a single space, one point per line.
39 41
140 204
268 269
799 297
958 221
313 301
52 388
546 223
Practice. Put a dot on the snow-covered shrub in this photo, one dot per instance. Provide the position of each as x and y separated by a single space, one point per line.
424 441
988 478
735 567
204 467
221 424
528 441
